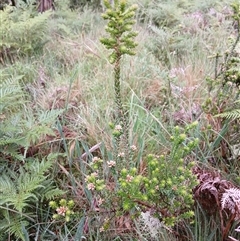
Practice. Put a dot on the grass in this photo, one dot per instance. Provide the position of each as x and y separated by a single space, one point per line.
163 85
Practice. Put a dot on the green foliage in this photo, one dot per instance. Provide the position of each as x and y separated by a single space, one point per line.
11 101
11 95
200 230
115 182
121 42
38 126
25 183
231 72
67 23
20 191
63 209
119 27
167 187
19 129
170 13
181 28
164 13
233 115
93 4
223 101
22 32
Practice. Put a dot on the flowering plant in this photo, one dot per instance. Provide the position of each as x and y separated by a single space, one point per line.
63 209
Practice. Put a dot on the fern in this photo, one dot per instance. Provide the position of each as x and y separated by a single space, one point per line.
231 201
11 94
21 128
11 104
25 183
233 114
21 191
52 192
38 125
13 224
22 32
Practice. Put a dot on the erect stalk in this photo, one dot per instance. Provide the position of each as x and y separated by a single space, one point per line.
117 88
122 114
120 41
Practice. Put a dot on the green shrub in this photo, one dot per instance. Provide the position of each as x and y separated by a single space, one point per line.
166 185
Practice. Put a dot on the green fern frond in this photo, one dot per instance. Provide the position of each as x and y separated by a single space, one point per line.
16 223
9 86
20 190
11 94
39 125
20 193
52 193
7 141
38 167
35 133
49 117
22 30
233 115
11 194
28 182
11 152
8 189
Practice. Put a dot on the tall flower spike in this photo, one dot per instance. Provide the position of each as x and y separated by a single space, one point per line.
119 27
120 41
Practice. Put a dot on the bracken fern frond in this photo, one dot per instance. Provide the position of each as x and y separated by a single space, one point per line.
233 115
231 201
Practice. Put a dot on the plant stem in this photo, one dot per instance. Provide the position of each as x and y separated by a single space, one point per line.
122 114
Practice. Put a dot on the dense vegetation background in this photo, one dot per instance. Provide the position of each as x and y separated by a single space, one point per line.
166 167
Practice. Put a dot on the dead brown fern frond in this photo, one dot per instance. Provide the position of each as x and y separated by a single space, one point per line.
210 190
231 201
219 198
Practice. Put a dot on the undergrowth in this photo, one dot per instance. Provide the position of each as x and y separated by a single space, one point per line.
139 145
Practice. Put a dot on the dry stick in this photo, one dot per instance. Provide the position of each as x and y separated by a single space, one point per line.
92 149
